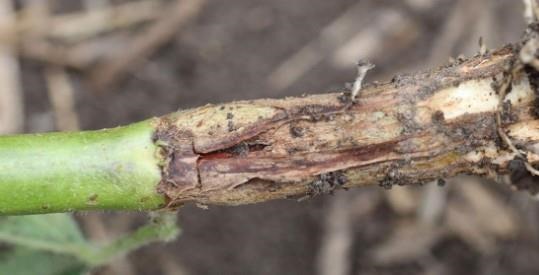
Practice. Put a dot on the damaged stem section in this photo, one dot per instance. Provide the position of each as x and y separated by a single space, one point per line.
413 129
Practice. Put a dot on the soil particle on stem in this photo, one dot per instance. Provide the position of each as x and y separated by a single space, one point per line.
297 131
230 122
241 149
470 133
345 97
438 118
409 125
393 177
313 111
495 85
533 77
441 182
92 199
318 112
401 80
521 179
506 115
327 183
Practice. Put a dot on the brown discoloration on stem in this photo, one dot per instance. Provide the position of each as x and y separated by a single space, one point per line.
413 129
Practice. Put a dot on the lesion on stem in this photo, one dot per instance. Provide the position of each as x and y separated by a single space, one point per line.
412 129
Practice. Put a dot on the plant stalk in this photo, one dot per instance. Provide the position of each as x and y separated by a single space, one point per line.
457 119
63 172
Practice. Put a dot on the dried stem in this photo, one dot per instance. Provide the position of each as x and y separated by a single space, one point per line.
413 129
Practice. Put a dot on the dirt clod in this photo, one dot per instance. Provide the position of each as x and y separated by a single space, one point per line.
345 97
438 117
297 131
393 177
409 125
241 149
533 76
230 126
401 80
506 114
92 199
313 111
441 182
521 178
327 183
495 85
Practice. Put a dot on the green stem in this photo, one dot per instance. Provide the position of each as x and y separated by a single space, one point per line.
162 227
59 172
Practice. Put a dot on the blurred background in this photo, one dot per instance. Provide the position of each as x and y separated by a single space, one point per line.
68 65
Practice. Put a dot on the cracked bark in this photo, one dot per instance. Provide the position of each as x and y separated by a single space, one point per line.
411 130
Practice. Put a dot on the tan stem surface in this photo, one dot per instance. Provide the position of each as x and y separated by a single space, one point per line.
413 129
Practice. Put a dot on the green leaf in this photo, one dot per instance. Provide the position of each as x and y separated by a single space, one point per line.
43 244
57 228
54 245
25 261
54 232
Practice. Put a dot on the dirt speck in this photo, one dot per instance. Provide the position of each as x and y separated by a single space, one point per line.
345 97
230 126
401 80
441 182
409 125
230 122
533 76
521 178
241 149
393 177
92 199
293 150
507 115
327 183
470 132
317 112
438 117
297 131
